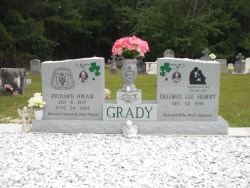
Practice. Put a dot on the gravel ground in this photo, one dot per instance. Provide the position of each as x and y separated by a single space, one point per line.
92 160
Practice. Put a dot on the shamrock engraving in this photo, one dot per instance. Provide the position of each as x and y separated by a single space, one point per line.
164 68
94 68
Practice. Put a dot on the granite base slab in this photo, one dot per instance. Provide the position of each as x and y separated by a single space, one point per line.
219 127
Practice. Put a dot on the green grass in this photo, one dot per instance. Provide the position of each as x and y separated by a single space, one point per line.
10 104
145 82
234 104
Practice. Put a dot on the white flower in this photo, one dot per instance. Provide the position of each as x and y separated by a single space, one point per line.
36 102
37 94
212 56
107 94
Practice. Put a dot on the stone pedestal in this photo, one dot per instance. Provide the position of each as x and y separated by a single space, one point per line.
219 127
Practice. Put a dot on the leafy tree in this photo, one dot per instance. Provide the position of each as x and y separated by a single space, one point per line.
63 29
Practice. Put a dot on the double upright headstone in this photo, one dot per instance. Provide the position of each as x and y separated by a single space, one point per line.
187 99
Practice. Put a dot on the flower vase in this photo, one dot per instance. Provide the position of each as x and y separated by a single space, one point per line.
38 114
129 73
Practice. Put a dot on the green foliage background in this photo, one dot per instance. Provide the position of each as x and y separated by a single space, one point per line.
69 29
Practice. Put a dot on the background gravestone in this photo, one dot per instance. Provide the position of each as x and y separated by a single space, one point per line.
28 81
247 65
151 67
141 65
35 66
73 89
239 66
113 68
230 67
16 78
119 62
169 53
223 63
187 90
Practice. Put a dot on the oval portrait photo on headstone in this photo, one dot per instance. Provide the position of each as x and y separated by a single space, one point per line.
83 76
176 77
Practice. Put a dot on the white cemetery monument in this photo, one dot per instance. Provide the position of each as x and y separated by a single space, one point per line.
151 67
247 65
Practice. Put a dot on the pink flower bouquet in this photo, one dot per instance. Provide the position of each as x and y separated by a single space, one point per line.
130 47
7 89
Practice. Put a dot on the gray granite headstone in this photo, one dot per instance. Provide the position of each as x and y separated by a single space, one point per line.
169 53
16 77
239 66
35 66
223 62
73 89
187 90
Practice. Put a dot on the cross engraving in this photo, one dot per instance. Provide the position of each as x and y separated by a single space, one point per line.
113 62
206 56
206 52
240 57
